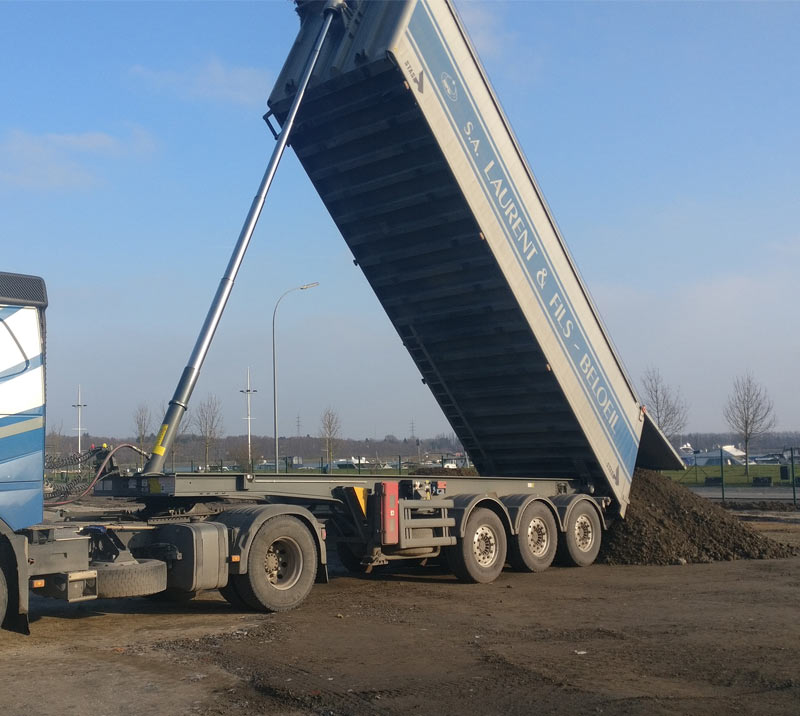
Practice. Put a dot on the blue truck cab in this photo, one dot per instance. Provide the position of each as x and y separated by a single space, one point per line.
23 300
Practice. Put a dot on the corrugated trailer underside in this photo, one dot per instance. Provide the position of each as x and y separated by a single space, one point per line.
370 154
414 159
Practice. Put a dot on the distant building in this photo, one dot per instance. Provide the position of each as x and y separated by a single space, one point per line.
728 454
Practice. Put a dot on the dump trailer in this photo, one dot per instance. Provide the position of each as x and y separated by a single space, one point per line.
404 139
391 114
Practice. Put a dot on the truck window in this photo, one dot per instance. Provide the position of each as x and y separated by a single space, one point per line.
13 360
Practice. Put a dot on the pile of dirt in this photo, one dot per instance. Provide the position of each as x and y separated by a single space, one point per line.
667 524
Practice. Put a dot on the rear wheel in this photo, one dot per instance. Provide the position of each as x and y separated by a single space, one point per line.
230 592
350 557
580 543
3 592
281 566
481 554
533 548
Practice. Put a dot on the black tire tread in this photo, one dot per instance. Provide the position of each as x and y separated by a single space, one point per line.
568 554
249 585
3 591
460 559
230 593
130 579
518 557
349 559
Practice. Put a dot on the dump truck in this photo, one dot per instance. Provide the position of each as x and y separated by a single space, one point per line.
392 116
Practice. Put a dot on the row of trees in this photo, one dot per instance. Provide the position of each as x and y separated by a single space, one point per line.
749 410
205 424
206 419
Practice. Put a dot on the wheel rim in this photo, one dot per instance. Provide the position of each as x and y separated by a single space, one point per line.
584 533
484 546
283 563
538 537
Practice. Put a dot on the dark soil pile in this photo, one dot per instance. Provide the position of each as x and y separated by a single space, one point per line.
667 524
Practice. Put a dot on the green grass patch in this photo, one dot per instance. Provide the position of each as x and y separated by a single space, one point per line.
734 474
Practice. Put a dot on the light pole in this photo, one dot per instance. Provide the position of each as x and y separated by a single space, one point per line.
80 406
248 392
275 365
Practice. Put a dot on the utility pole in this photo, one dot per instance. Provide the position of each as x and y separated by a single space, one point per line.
80 407
247 393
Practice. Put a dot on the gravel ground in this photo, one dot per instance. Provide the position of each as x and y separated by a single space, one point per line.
717 637
694 639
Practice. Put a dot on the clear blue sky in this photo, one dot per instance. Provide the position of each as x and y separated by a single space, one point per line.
666 137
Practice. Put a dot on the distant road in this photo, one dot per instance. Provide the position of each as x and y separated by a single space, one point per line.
745 493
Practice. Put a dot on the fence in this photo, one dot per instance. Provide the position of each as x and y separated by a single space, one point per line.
784 478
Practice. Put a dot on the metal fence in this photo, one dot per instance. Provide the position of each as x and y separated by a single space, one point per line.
756 481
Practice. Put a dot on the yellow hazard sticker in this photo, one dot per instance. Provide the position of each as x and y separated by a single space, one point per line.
158 450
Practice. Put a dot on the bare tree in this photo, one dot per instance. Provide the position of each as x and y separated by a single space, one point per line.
329 430
664 403
208 421
749 412
187 421
55 438
142 420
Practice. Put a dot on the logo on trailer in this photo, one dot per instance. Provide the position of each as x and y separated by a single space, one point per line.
449 86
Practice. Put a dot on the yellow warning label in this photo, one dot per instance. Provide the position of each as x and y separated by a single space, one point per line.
155 485
158 450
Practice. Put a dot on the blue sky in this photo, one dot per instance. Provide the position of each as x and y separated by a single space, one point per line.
666 137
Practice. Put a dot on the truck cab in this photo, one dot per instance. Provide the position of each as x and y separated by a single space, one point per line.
23 300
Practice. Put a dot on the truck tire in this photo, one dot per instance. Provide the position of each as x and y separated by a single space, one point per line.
230 593
533 548
281 566
130 579
3 592
579 545
349 557
481 554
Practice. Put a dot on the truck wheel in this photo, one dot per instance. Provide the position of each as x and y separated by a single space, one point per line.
580 543
130 579
230 592
349 557
3 592
281 566
533 549
481 554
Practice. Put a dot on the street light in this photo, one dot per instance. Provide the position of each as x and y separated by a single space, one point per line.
80 406
248 392
275 365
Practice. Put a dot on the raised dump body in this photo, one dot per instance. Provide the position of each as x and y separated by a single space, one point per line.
406 143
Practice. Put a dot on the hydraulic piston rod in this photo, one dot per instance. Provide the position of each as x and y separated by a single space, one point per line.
178 404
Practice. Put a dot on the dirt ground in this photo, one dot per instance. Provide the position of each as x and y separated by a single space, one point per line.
693 639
